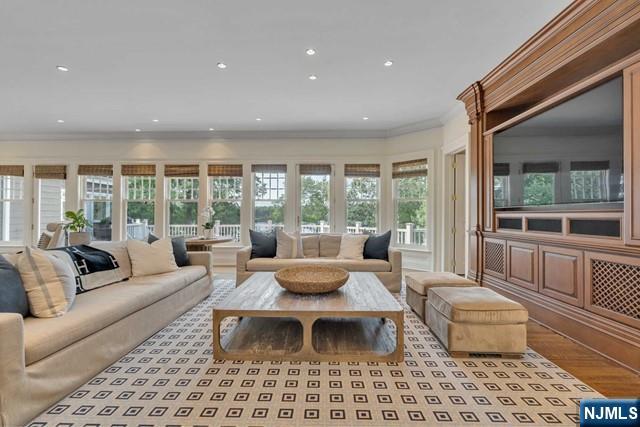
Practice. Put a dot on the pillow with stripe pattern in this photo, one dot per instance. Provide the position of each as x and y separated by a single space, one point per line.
49 282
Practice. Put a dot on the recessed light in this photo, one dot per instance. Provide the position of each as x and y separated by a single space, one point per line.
155 120
62 68
258 119
388 63
60 121
313 77
211 129
311 52
137 130
365 118
222 65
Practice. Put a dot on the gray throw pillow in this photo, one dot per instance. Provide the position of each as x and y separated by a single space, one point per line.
13 297
263 245
377 246
179 249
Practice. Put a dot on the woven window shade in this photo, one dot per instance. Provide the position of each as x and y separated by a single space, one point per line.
95 170
11 170
315 169
362 170
269 168
501 169
181 170
225 170
138 170
593 165
409 169
50 171
542 167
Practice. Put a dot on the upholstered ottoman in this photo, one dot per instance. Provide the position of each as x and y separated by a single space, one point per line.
476 320
418 283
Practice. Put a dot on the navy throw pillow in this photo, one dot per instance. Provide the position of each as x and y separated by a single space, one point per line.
263 245
13 298
179 249
377 246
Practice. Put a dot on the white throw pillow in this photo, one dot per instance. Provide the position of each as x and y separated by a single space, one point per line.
49 282
289 245
352 246
154 258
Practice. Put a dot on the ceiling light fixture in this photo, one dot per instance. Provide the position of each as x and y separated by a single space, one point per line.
258 119
311 52
137 130
211 129
222 65
313 77
155 120
62 68
388 63
60 121
365 118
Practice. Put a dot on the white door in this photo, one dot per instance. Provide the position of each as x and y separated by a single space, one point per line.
459 229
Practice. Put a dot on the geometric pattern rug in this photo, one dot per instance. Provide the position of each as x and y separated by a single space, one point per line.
172 379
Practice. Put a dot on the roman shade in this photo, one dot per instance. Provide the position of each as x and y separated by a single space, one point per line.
50 171
181 170
501 169
590 165
95 170
362 170
541 167
313 169
225 170
269 168
409 168
138 170
11 170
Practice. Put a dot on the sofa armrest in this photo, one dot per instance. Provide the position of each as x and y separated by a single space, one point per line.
12 361
395 258
242 256
202 258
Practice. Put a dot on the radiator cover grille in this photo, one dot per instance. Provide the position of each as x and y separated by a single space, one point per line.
616 287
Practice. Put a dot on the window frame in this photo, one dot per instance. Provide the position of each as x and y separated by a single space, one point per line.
330 199
211 200
428 218
25 226
83 199
125 201
347 200
252 223
169 200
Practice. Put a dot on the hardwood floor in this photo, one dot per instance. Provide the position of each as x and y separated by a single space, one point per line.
604 375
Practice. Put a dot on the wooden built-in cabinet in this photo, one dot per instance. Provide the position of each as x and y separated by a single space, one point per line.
577 272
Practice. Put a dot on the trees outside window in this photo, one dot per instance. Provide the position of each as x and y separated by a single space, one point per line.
362 194
315 206
184 193
539 188
269 196
139 203
225 198
410 202
12 226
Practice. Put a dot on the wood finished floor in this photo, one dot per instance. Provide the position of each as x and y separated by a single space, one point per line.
604 375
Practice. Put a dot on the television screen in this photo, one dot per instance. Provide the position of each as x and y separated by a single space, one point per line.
569 156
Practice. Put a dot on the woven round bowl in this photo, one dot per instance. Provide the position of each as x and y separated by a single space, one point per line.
311 279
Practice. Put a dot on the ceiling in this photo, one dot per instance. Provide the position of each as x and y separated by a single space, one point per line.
134 61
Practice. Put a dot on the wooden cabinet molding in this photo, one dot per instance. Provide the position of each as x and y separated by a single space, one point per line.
561 274
632 154
495 257
522 264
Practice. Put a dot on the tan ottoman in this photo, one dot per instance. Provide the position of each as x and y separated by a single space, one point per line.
419 283
477 320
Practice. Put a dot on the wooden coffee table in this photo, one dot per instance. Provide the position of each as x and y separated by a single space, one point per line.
347 325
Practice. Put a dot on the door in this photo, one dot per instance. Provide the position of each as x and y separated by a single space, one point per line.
459 230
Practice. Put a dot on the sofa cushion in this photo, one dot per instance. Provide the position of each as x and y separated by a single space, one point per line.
330 245
352 246
179 246
288 245
151 258
476 305
377 246
421 281
119 251
311 246
274 264
263 245
13 298
95 310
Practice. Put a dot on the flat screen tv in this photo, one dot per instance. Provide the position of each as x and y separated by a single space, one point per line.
568 157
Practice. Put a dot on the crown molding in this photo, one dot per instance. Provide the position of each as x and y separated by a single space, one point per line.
414 127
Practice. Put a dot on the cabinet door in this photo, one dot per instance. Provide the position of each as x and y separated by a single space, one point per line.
632 155
561 274
522 264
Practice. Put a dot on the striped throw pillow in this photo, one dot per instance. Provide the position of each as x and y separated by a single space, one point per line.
49 282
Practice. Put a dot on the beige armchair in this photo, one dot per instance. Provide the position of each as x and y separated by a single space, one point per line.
53 236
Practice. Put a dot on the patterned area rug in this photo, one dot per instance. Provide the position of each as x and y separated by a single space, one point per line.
172 379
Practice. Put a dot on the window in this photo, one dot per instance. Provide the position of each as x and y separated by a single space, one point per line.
269 196
539 186
183 193
12 226
362 193
315 206
410 190
225 198
97 194
589 181
501 190
51 196
139 196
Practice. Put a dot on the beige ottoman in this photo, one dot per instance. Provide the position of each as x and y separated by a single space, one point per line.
419 283
477 320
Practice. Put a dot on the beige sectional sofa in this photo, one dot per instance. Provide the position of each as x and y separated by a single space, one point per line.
42 360
323 249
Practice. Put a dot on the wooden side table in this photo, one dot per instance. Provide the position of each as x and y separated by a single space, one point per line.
201 244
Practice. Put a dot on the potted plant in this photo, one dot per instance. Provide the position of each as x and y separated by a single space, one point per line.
77 227
208 222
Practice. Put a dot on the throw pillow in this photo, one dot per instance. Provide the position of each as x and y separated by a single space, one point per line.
179 249
49 282
288 245
377 246
352 246
93 267
119 251
13 298
154 258
262 245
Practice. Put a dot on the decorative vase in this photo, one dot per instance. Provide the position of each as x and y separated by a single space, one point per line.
208 233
